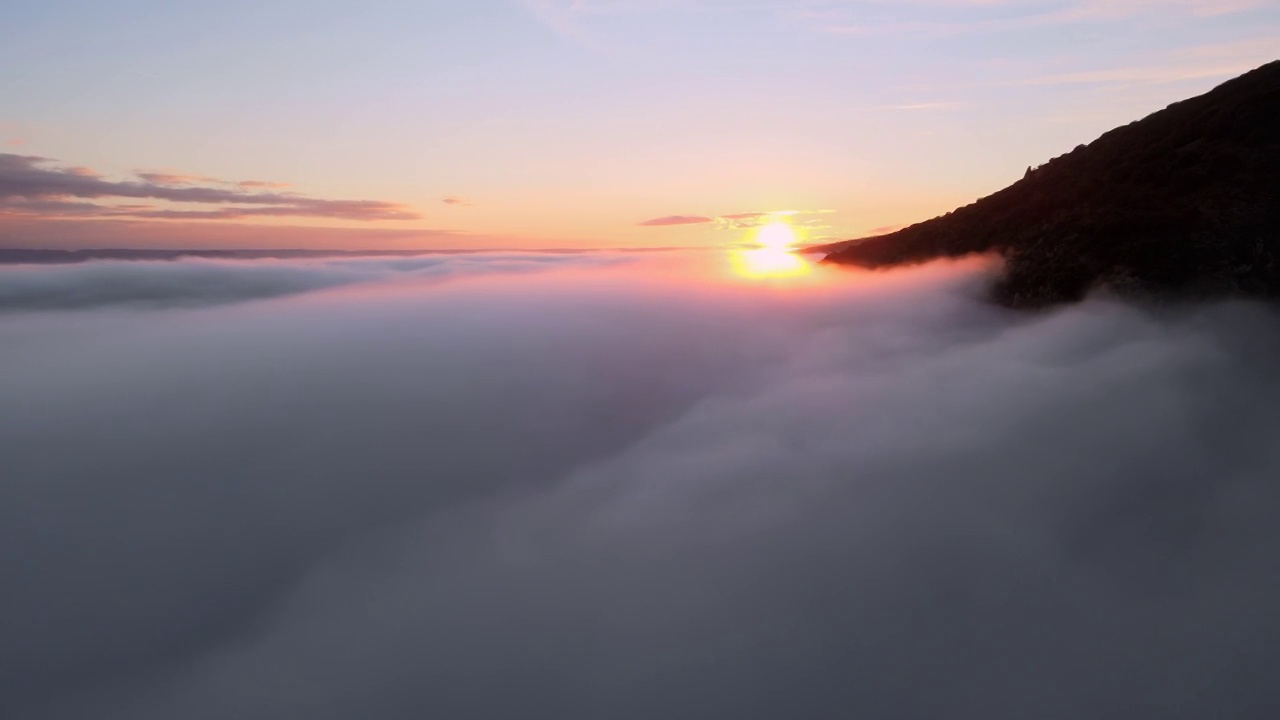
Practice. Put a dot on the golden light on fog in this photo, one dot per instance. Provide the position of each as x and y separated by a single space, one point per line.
768 262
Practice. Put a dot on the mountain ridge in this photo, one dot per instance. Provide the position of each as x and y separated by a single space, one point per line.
1185 201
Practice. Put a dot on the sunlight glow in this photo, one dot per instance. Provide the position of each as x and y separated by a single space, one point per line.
770 262
776 235
774 257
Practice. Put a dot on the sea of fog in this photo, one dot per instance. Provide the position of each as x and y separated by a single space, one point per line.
616 486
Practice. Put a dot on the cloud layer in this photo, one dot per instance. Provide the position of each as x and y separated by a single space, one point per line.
739 221
677 220
614 490
193 282
31 186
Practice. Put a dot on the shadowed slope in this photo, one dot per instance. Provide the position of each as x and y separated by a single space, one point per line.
1186 200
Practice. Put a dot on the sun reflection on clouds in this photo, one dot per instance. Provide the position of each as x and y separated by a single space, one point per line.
770 262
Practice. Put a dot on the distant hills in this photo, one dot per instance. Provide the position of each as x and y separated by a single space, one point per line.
1184 202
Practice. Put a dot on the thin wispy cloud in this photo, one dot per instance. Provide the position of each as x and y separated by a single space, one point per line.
579 21
31 185
567 18
160 177
1137 75
862 19
1222 60
1265 45
677 220
264 184
167 178
911 107
743 220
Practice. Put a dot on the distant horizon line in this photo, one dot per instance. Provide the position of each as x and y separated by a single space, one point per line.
11 255
55 256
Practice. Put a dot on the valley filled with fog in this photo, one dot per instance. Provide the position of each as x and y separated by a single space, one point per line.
627 485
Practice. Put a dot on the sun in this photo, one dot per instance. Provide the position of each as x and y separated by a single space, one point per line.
772 257
776 235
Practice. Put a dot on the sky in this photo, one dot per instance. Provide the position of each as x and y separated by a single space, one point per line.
391 124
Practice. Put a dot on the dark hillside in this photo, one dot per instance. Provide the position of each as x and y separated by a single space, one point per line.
1186 201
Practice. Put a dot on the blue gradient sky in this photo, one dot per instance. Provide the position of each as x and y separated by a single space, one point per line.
563 123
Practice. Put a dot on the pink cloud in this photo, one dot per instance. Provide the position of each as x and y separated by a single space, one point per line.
676 220
167 178
29 186
164 177
734 221
263 184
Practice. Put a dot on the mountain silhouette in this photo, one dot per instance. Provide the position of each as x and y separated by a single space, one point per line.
1185 202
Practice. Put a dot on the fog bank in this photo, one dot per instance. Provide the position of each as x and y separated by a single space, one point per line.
626 486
